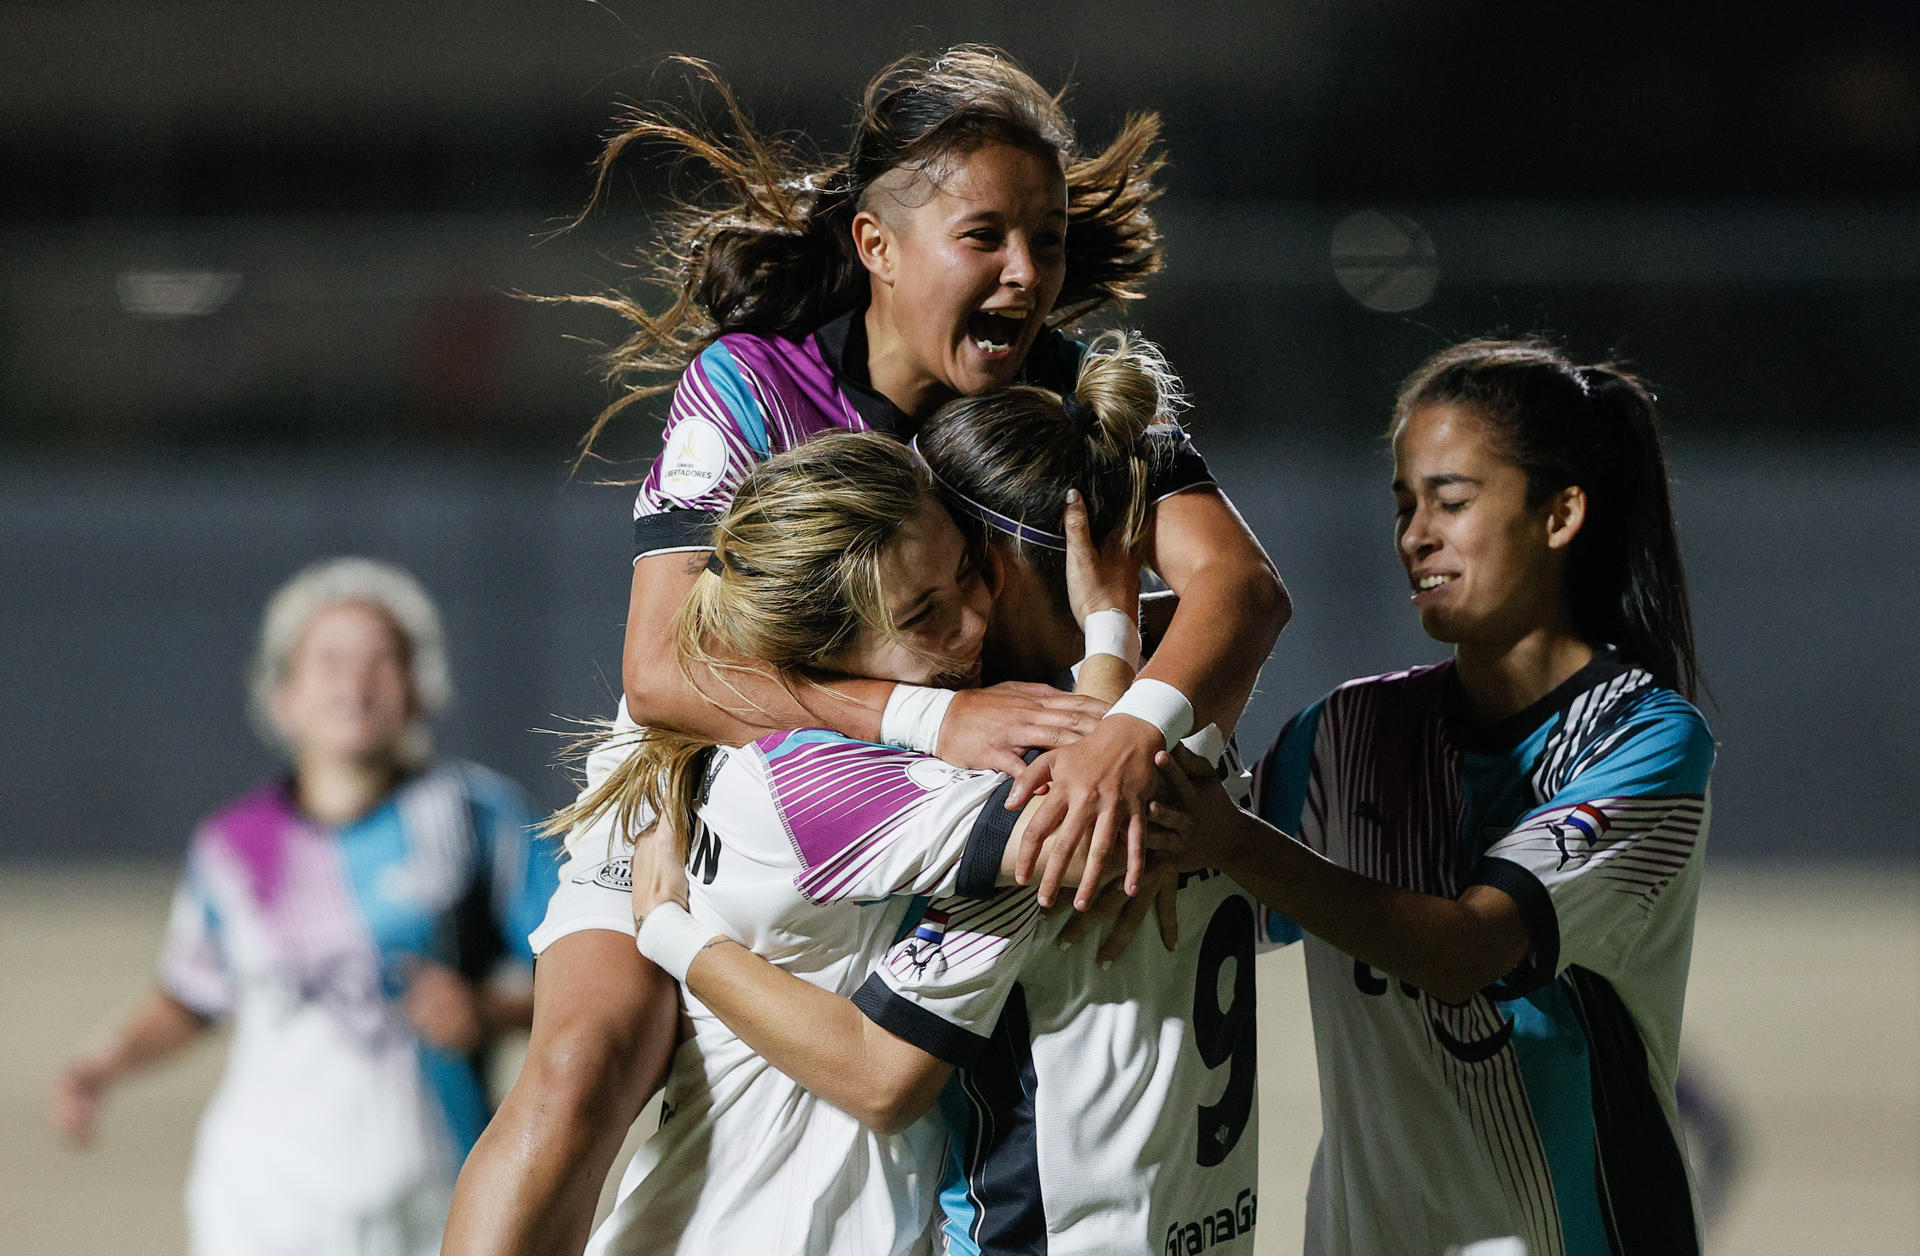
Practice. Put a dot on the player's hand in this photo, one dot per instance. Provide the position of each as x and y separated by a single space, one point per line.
992 728
659 872
74 1104
443 1007
1126 911
1096 794
1191 824
1099 578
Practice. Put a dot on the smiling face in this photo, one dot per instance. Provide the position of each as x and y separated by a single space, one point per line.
939 602
1485 568
348 693
966 260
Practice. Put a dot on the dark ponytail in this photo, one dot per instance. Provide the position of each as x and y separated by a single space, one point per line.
1018 450
1595 427
766 245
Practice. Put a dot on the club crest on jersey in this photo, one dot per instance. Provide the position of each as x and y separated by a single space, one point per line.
931 774
922 950
616 874
695 461
1585 822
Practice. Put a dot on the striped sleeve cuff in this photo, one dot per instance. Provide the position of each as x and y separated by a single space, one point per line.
671 530
915 1025
1537 914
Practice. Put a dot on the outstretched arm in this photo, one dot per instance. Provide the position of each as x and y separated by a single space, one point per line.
1452 948
157 1028
983 728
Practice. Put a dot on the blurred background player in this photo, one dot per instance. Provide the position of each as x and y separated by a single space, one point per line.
859 292
347 921
1498 857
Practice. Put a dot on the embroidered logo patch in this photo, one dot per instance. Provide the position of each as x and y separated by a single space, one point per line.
616 874
695 461
931 774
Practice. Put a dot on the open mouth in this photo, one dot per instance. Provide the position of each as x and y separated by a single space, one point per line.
1427 584
995 331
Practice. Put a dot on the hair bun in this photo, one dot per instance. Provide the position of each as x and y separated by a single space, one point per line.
1079 413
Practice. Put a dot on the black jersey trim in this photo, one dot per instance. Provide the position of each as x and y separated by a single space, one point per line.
673 530
1536 913
1177 467
1645 1198
1001 1147
911 1023
1502 736
979 875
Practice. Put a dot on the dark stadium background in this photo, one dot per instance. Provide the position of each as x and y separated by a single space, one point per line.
256 277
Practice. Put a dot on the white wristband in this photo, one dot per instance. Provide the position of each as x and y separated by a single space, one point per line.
671 937
1116 633
1160 705
913 716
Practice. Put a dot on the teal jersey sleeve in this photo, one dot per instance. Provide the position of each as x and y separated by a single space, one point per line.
1280 798
1629 820
522 869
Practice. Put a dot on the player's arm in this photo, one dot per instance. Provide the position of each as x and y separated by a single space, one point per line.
604 1026
160 1026
1452 948
1230 611
982 728
820 1039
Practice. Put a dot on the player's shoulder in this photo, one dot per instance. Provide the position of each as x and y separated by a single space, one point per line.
482 786
818 772
1410 688
1649 719
264 810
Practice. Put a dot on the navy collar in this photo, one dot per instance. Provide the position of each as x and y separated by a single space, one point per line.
1501 736
843 345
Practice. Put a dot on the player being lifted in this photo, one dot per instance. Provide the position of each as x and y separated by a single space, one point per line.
1102 1104
936 258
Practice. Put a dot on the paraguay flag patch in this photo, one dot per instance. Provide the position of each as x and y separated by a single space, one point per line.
922 949
1585 822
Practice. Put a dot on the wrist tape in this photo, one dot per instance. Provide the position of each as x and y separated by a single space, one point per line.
913 716
1160 705
1116 633
671 937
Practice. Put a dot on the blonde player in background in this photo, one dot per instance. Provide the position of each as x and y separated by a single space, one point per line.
345 922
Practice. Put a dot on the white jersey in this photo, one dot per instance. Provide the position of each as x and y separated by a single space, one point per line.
335 1128
1099 1110
810 850
1542 1109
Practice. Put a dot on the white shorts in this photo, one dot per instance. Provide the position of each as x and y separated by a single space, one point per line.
596 882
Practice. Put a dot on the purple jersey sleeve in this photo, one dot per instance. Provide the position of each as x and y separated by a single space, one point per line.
716 432
866 821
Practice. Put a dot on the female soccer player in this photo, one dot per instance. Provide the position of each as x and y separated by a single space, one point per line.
345 920
1497 858
1104 1102
809 844
934 259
